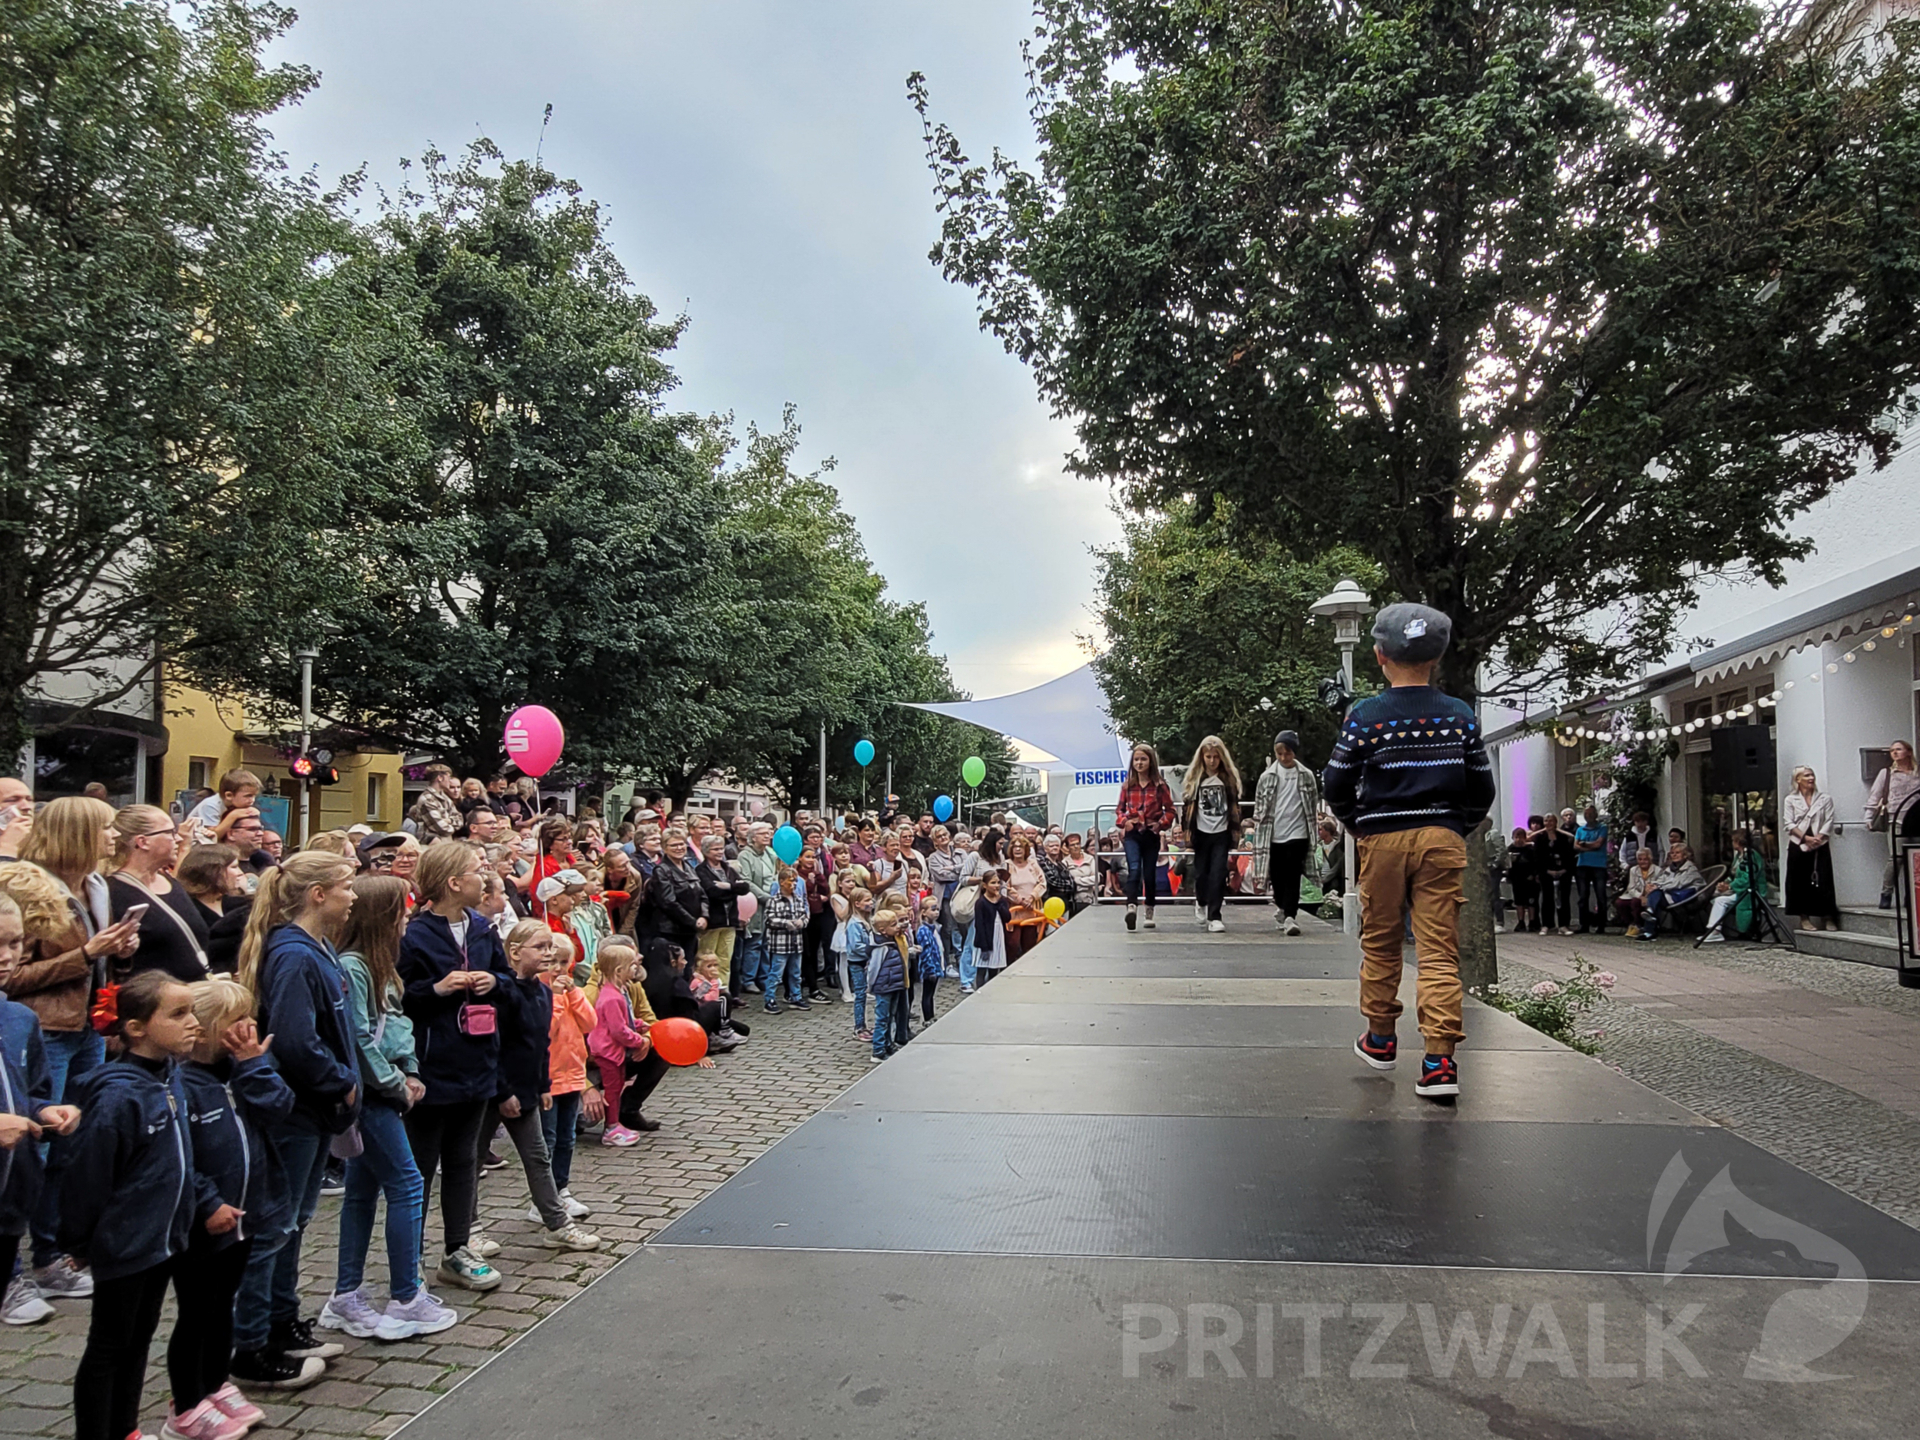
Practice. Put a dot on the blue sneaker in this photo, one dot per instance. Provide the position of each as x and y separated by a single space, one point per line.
1378 1051
1439 1077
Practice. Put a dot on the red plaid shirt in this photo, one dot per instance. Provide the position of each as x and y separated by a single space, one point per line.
1144 809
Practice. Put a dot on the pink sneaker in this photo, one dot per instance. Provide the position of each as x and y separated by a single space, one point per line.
620 1136
205 1421
236 1406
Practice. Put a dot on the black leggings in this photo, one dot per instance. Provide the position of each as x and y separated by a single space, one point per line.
1210 870
202 1345
447 1137
106 1386
1285 860
813 945
927 984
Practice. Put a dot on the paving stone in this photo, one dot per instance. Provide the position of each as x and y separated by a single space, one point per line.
341 1392
403 1372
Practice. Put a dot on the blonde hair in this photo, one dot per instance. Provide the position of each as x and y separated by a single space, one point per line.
283 895
130 821
609 960
218 1001
442 861
522 933
1806 770
65 838
1198 769
334 842
39 898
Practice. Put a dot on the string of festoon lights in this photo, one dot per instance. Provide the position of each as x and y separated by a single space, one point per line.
1570 734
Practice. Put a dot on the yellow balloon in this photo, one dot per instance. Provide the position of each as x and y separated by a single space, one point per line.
1054 908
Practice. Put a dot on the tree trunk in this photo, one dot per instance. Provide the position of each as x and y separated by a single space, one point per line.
1479 959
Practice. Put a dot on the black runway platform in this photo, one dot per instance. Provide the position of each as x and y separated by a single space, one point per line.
1140 1185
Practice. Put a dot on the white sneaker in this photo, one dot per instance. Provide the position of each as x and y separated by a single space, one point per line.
468 1271
569 1237
352 1313
479 1244
1279 920
63 1280
1292 927
1714 937
23 1305
422 1315
574 1207
1566 930
1146 922
1498 928
1214 927
1199 913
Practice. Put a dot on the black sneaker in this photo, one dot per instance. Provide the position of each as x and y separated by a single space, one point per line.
1439 1078
1379 1051
816 994
771 1008
297 1341
800 1004
270 1370
640 1122
1130 919
334 1181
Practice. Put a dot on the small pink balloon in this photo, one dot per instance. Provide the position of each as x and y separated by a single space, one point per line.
533 739
749 906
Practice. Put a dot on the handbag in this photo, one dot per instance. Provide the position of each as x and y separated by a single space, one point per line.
347 1144
961 906
479 1019
1877 818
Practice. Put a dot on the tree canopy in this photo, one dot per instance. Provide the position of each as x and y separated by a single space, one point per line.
1549 308
1205 628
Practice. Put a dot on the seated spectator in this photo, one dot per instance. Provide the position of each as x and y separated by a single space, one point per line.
1680 880
238 790
1737 899
1642 877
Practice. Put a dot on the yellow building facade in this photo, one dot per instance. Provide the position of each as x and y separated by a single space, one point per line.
209 736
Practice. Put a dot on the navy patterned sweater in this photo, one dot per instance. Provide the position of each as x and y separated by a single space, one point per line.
1408 757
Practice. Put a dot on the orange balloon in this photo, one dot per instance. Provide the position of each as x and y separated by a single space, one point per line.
679 1041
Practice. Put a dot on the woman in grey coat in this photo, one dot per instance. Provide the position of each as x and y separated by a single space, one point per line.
1286 807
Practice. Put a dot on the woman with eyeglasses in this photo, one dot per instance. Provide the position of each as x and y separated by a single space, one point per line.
173 934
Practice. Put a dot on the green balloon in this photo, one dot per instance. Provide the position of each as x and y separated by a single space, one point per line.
974 770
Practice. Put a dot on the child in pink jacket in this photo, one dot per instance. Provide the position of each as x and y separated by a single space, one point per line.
616 1039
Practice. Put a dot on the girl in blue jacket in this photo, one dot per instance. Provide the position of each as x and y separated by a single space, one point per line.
130 1197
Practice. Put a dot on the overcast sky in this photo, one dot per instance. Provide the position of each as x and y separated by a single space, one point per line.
763 172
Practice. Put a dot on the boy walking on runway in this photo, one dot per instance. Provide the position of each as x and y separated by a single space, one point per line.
1410 778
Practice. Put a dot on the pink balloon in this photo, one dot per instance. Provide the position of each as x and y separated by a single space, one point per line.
749 906
534 738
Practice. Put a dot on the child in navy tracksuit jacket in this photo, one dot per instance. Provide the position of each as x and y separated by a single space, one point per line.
234 1095
131 1197
929 958
889 984
27 1112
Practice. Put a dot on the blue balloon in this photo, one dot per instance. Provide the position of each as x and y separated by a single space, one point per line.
863 752
787 844
943 808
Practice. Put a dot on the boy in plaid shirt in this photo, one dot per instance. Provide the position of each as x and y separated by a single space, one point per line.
786 930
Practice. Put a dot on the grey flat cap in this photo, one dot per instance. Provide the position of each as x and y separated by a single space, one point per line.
1412 634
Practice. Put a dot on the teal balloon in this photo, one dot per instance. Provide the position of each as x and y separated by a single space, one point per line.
943 808
787 844
863 752
974 770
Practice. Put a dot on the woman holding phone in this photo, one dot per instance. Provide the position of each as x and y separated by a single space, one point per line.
173 934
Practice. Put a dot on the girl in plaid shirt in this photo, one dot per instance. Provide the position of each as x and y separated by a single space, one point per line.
786 934
1145 812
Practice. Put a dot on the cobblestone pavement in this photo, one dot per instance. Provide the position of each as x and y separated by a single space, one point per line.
713 1122
1808 1057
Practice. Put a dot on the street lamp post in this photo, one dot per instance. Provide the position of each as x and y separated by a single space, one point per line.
306 656
1346 606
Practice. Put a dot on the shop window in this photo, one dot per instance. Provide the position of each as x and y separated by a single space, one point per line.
67 761
376 796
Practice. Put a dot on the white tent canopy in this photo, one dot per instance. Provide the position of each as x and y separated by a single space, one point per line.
1065 718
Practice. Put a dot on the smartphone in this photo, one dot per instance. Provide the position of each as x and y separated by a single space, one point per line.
135 912
8 816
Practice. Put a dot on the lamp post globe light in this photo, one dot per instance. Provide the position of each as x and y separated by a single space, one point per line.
1346 605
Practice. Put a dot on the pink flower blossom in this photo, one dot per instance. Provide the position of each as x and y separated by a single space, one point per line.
1545 990
1605 980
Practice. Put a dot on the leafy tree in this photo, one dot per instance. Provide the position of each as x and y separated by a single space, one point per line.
1202 627
170 359
1551 309
551 544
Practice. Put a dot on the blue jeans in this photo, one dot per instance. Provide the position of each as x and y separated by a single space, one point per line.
750 960
1143 860
966 959
560 1125
857 978
781 970
384 1164
1650 921
889 1013
70 1054
270 1287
